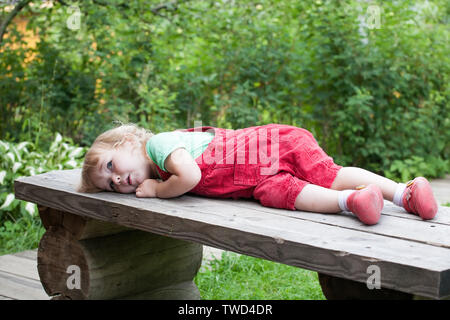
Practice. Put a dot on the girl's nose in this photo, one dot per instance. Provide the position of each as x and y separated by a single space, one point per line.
116 179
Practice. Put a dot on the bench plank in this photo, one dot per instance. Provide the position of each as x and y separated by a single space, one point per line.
21 288
399 225
336 245
19 266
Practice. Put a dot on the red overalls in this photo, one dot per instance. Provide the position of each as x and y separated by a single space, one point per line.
271 163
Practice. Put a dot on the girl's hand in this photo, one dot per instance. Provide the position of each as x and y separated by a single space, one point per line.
147 189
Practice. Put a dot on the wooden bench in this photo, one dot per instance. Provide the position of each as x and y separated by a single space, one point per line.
126 247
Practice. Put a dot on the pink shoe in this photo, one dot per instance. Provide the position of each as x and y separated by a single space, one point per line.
418 198
366 204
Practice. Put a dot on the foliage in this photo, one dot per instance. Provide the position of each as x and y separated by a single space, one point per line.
382 96
418 167
23 159
371 96
235 277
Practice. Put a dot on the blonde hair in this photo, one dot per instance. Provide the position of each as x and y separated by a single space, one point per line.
108 140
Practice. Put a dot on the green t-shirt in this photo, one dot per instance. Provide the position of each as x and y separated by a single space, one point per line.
161 145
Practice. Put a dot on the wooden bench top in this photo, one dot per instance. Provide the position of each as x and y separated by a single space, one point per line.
413 255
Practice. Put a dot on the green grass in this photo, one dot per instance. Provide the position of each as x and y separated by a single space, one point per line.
23 234
236 277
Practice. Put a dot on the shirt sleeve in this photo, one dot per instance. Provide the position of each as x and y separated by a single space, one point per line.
161 145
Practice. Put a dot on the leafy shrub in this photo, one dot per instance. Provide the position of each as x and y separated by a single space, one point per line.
380 95
416 167
23 159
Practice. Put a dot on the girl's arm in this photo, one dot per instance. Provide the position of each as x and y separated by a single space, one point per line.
185 176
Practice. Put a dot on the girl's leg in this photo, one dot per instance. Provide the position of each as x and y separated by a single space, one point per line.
366 204
415 197
317 199
352 177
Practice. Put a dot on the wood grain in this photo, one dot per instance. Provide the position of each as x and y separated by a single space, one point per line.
413 255
116 266
20 288
80 227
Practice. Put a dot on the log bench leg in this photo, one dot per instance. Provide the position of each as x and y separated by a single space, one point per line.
335 288
81 258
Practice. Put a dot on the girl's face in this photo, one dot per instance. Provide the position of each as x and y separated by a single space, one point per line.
122 169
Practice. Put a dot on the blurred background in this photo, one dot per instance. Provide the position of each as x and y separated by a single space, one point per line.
369 79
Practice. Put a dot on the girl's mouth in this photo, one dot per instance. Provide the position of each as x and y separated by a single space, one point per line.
129 180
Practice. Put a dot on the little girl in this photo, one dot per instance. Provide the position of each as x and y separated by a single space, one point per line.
282 166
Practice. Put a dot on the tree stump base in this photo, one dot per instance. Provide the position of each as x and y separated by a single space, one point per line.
81 258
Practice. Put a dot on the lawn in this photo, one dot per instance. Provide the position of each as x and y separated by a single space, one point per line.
236 277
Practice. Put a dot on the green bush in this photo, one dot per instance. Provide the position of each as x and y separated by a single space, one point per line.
383 96
416 167
23 159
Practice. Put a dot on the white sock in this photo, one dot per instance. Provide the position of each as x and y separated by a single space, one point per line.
342 198
398 196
